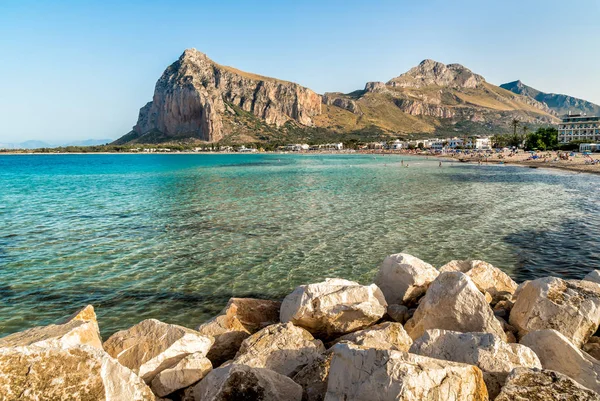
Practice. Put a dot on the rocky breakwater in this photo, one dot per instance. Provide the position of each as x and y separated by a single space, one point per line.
192 98
464 331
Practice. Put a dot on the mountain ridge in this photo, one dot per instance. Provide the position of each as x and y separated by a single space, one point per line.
199 99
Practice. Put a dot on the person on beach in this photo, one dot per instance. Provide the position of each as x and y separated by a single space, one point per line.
440 164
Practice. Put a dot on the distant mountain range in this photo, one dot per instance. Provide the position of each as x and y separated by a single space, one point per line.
33 144
197 99
561 104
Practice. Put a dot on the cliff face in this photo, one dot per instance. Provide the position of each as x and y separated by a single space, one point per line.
430 72
192 96
560 104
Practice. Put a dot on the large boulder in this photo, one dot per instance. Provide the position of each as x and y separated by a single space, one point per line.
75 373
485 350
571 307
557 353
81 328
283 348
525 384
403 279
453 302
186 372
314 376
152 346
240 318
486 277
386 335
333 307
593 276
239 382
360 374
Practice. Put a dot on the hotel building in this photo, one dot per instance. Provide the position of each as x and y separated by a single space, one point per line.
579 127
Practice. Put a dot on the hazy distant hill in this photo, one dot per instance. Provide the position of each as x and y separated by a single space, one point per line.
33 144
198 99
561 104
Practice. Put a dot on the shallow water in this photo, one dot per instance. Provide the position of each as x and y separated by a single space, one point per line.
173 237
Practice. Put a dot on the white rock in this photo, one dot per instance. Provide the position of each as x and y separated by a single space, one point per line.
386 335
485 350
361 374
81 328
453 302
186 372
557 353
403 278
486 277
239 382
240 318
313 378
593 276
525 384
333 307
74 373
571 307
152 346
283 348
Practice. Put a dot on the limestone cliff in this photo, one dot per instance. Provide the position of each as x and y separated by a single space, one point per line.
193 95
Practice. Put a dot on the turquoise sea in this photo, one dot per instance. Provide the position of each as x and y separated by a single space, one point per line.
173 237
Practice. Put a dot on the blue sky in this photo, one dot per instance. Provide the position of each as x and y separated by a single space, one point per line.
82 69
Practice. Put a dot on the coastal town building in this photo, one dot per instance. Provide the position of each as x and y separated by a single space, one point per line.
579 127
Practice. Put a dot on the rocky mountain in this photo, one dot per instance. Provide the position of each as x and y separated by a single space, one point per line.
198 99
195 97
560 104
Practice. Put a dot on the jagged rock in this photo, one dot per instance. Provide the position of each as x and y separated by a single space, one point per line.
593 276
592 347
557 353
333 307
485 276
386 335
525 384
239 382
375 87
485 350
430 72
453 302
360 374
281 347
398 313
74 373
190 98
152 346
571 307
186 372
240 318
313 378
342 101
78 329
403 278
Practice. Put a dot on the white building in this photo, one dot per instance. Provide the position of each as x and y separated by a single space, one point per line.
579 127
398 144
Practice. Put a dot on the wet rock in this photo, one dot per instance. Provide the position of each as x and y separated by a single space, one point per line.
314 377
75 373
557 353
239 382
333 307
359 374
571 307
152 346
404 278
240 318
186 372
525 384
283 348
485 350
386 335
453 302
81 328
486 277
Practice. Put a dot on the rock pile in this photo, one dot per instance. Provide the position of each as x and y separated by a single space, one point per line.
463 332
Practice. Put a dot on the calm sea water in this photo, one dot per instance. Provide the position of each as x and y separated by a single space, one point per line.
173 237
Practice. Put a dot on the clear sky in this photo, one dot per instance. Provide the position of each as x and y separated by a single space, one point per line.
82 69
